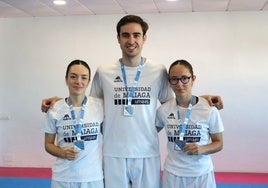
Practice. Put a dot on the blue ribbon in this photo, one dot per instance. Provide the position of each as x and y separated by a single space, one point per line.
183 127
77 124
137 77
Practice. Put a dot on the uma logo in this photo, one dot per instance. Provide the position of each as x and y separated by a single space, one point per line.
117 79
171 116
66 117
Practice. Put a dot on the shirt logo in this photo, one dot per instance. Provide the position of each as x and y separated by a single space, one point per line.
66 117
171 116
117 79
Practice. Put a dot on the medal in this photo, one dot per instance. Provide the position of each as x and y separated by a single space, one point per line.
129 110
179 145
79 145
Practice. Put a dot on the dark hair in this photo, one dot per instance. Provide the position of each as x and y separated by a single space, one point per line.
132 19
77 62
184 63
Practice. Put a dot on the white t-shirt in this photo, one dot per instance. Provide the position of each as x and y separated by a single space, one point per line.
204 120
135 136
88 166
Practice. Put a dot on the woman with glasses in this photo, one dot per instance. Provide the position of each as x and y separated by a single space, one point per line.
194 130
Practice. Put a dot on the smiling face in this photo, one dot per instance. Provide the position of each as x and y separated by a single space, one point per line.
77 79
131 40
181 80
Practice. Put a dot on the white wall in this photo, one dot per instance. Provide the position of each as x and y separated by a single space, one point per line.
229 52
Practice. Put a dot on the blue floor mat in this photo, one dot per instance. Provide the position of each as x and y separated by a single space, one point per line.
241 185
18 182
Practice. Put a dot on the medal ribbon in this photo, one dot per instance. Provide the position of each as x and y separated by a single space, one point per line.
137 77
183 127
77 122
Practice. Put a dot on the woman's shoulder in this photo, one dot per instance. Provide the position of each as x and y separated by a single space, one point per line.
168 104
60 107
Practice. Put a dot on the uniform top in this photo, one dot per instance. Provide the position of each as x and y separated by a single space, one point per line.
135 136
204 120
88 166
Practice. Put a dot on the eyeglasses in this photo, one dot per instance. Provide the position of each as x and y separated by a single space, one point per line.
183 79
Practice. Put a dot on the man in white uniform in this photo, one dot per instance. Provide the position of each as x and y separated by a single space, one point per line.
131 88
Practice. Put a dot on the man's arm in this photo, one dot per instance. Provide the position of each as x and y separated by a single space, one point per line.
214 101
48 103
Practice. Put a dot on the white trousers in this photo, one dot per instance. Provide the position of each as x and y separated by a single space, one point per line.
60 184
132 172
205 181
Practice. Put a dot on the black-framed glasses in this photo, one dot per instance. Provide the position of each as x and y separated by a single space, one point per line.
183 79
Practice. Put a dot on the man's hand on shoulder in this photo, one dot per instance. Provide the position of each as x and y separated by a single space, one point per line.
48 103
214 100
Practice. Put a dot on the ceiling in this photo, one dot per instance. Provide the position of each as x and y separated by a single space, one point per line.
41 8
